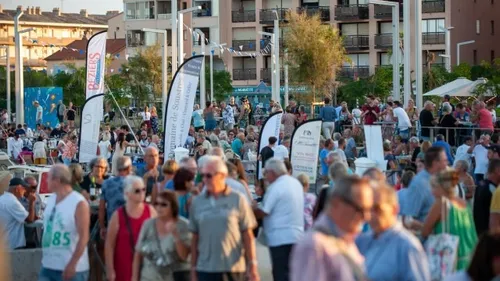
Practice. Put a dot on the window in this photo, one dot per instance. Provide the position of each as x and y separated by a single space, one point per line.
433 26
492 23
140 10
474 57
478 27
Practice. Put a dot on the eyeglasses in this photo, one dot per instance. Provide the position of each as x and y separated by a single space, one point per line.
207 175
139 190
356 207
161 204
100 167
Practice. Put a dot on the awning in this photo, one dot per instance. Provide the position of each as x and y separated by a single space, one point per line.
450 88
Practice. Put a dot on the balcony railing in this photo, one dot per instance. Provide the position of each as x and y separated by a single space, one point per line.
268 16
433 6
265 42
246 45
244 16
351 12
433 38
203 13
323 11
265 75
385 12
357 42
354 72
383 41
245 74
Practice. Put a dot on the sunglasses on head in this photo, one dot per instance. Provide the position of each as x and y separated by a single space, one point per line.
161 204
139 190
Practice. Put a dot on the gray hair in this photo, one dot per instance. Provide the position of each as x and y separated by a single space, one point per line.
337 136
344 188
276 166
61 173
446 107
130 182
223 136
123 162
414 140
185 161
337 170
217 163
462 165
96 160
217 151
335 156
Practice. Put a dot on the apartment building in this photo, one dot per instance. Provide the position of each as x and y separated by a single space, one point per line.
54 29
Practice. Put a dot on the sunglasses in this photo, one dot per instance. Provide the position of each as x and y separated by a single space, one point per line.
161 204
208 176
139 190
355 206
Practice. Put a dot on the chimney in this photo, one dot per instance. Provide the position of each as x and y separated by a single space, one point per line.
112 13
31 10
56 11
38 11
19 8
1 9
83 13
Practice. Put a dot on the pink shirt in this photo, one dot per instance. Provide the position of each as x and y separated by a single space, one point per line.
485 119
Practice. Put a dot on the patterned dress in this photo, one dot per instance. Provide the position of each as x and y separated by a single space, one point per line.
154 124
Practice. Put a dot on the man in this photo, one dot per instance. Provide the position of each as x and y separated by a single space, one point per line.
39 113
493 151
328 251
440 142
419 197
414 148
12 213
480 154
494 180
283 216
61 109
391 252
31 190
281 151
446 99
227 116
14 146
328 115
186 163
329 145
66 230
404 123
143 141
225 234
20 131
351 152
29 132
370 111
340 151
112 193
151 173
129 137
236 110
237 144
155 141
426 120
482 118
463 151
268 151
190 138
144 128
483 203
57 132
271 107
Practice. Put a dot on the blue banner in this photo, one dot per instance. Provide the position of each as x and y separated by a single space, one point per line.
48 98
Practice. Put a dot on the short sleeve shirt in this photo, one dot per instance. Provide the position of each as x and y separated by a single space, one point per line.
112 194
12 216
495 202
39 112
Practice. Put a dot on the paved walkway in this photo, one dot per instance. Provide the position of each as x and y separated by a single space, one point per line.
264 260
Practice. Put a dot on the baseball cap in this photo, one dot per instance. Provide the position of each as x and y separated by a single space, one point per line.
18 181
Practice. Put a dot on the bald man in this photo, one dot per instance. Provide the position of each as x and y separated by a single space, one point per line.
151 172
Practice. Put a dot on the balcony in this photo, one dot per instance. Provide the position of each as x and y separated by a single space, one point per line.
247 45
265 42
433 6
265 75
322 11
354 72
356 42
244 16
351 12
244 74
385 12
383 41
267 16
433 38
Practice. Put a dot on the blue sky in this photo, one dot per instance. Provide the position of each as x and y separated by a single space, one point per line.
70 6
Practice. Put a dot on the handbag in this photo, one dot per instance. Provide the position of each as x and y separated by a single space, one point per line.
442 249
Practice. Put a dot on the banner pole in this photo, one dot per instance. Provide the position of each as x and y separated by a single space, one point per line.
123 116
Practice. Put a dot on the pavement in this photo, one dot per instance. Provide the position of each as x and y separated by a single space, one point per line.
264 260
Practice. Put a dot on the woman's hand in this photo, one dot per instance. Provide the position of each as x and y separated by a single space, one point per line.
110 274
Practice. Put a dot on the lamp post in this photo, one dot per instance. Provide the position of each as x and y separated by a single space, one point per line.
447 47
460 45
418 54
19 68
7 65
277 69
203 91
212 69
273 65
407 52
180 37
396 88
164 67
174 35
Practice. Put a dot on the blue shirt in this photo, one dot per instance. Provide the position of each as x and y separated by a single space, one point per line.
328 113
322 158
236 146
169 185
112 194
198 120
349 147
447 149
418 199
396 254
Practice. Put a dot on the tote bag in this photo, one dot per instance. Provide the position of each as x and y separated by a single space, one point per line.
442 249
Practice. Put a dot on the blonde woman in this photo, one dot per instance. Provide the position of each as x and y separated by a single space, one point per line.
412 111
146 116
169 169
105 146
154 120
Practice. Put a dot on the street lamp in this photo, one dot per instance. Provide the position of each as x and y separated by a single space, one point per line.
164 67
277 69
407 52
418 54
395 46
212 69
174 36
180 16
460 45
274 95
448 47
203 91
7 65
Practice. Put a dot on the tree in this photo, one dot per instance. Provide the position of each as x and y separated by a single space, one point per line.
222 84
315 51
492 73
379 85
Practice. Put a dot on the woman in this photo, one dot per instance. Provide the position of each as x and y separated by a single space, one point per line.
169 169
249 146
459 216
183 186
40 152
412 111
392 165
70 115
224 143
309 201
466 185
400 147
164 244
92 182
105 146
77 178
288 120
302 115
485 264
69 150
448 121
121 146
123 230
154 120
423 149
344 116
60 146
198 121
240 175
244 117
146 117
209 114
388 117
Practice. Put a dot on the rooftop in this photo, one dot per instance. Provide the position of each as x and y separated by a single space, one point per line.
35 14
113 47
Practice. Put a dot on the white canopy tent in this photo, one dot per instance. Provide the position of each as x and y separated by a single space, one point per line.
468 90
450 88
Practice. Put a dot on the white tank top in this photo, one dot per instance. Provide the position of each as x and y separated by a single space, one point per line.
60 235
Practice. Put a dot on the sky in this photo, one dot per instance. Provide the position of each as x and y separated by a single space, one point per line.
69 6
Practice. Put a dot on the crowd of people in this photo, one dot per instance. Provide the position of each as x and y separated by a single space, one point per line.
200 218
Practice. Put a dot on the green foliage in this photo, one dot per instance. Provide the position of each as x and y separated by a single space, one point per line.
492 73
463 70
222 84
379 84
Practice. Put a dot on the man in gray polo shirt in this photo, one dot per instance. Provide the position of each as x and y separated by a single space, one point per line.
221 221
